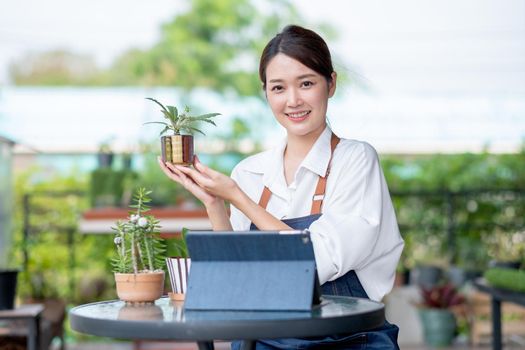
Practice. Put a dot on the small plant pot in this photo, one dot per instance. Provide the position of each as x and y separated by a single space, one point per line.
179 269
177 149
141 287
105 160
439 326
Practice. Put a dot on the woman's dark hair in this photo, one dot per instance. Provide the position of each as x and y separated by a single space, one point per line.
301 44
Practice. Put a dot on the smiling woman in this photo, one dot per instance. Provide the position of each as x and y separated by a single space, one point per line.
349 214
298 96
298 82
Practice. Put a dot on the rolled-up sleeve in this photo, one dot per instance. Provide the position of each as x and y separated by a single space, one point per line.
358 224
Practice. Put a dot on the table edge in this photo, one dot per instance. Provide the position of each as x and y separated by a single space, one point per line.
201 330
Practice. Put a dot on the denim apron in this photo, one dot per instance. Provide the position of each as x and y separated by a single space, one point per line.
384 337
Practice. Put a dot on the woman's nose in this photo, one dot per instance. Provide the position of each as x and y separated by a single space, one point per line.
294 98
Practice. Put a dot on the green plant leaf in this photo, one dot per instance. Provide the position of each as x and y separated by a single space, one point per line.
157 102
191 129
168 127
207 116
183 121
173 110
201 119
156 123
169 116
177 247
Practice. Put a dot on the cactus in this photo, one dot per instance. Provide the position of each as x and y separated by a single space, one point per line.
137 239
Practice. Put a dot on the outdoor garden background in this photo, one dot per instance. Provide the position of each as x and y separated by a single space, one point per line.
453 153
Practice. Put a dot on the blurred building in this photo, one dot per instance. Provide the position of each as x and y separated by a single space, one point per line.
62 128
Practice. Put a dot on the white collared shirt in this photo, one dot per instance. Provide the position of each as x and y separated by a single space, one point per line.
358 229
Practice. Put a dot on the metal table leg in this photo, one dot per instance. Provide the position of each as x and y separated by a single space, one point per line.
33 336
205 345
248 345
496 323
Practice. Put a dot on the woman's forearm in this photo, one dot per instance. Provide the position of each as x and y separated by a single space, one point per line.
218 216
258 215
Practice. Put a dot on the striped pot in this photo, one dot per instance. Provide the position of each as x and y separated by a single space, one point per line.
178 269
177 149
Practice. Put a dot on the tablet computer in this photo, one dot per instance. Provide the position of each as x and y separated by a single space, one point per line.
251 270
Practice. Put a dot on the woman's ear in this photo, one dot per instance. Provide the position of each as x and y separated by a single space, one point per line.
332 84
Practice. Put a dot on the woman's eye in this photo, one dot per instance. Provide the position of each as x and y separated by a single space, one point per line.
276 88
307 83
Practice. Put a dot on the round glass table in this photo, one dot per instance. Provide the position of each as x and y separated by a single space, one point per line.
168 320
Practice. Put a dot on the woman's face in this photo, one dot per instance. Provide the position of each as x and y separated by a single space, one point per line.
298 96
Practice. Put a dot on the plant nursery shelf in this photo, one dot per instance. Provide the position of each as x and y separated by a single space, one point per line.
172 220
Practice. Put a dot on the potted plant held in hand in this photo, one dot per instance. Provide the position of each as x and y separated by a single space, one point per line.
178 148
140 254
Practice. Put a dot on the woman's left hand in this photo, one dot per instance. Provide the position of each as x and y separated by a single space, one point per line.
210 180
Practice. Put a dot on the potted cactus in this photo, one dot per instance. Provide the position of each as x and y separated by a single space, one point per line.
140 254
178 148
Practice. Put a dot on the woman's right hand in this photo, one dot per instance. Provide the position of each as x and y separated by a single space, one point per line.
187 182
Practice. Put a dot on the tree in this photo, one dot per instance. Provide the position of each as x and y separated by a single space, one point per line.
215 44
57 67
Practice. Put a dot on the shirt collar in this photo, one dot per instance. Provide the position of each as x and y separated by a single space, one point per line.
316 160
319 156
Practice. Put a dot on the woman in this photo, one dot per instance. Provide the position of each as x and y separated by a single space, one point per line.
334 187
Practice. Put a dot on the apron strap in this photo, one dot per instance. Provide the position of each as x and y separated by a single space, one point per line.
265 197
317 200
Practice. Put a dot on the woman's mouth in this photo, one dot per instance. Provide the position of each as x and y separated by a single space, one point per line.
298 116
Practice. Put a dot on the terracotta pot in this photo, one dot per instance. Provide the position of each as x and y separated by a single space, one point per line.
140 287
177 149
